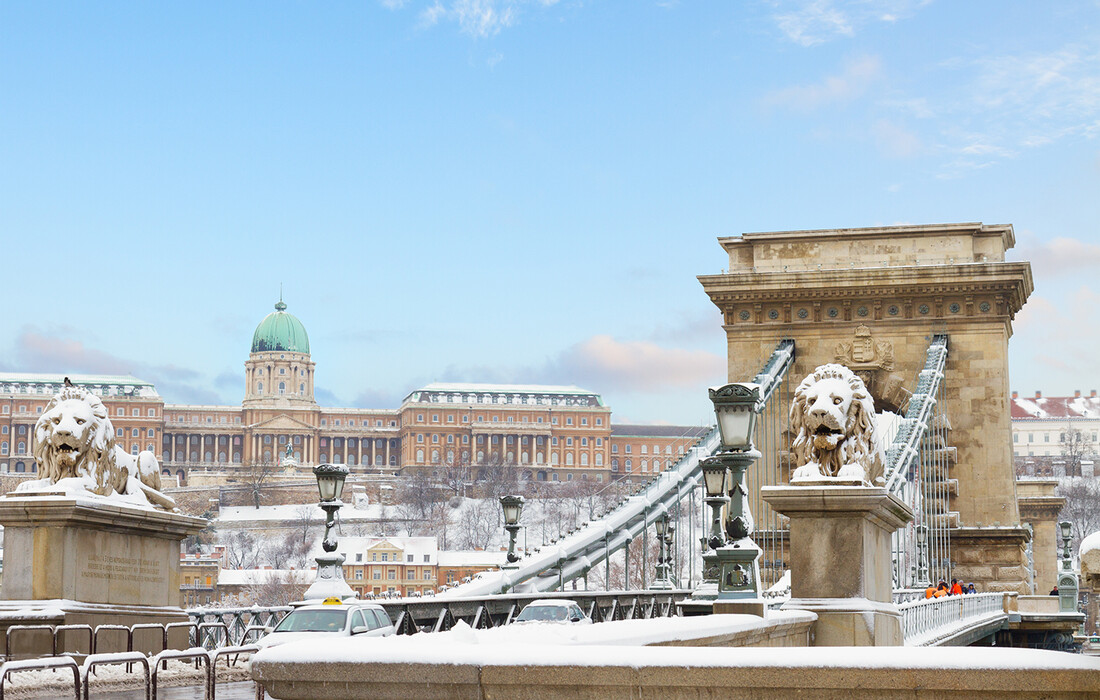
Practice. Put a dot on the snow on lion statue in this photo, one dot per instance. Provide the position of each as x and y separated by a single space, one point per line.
833 420
74 446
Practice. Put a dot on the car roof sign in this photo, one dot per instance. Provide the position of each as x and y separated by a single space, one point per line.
332 600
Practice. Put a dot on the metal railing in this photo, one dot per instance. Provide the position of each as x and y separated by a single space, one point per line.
927 622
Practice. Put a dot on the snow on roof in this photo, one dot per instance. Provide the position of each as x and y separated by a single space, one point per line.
247 577
664 431
112 384
1055 407
292 513
471 558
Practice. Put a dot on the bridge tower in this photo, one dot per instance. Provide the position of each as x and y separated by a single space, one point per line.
871 299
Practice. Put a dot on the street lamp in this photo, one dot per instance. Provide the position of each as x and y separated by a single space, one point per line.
734 560
330 571
1067 580
662 527
513 507
922 556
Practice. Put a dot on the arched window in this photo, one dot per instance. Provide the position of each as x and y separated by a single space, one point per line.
267 456
615 464
480 456
259 387
21 448
628 465
20 467
236 458
301 388
599 459
435 456
282 387
553 459
645 466
420 455
166 455
179 455
351 460
194 456
584 459
568 459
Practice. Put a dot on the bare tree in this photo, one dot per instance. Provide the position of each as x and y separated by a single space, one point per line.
254 476
455 469
291 551
242 549
478 524
276 588
1082 508
1074 445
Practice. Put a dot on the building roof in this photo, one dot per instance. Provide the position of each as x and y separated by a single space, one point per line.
248 577
512 394
661 431
1055 407
99 384
280 331
471 558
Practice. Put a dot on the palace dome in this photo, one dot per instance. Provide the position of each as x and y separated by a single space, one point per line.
280 331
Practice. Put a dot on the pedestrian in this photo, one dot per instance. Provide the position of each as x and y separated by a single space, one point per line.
1054 591
942 590
956 587
970 588
930 592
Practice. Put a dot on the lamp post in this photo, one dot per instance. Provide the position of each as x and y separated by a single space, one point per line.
662 525
922 556
330 571
1067 580
513 507
733 562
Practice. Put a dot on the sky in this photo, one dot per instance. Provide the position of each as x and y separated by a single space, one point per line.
514 190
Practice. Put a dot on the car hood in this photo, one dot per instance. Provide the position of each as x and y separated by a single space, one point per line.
276 638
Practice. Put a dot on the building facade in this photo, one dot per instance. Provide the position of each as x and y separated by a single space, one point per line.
1056 435
548 433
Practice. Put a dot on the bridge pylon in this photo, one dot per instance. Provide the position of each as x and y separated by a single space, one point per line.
872 299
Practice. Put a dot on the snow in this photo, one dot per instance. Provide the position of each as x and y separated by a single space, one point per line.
1089 544
1031 407
247 577
545 647
80 488
292 513
59 683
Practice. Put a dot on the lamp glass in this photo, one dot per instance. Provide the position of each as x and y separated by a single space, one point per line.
714 478
513 506
661 525
736 424
1067 529
330 480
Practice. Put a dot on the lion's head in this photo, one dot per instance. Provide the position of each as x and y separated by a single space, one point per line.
74 438
833 419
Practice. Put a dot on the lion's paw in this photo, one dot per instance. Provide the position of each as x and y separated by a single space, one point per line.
854 472
807 471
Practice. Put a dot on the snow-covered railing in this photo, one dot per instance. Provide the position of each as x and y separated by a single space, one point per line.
905 449
928 622
236 623
574 555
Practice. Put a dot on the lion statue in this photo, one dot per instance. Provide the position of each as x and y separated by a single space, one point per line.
833 420
74 443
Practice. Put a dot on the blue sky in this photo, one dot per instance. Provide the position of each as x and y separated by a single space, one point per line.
514 190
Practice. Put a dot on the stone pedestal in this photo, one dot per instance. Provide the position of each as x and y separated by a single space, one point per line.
840 559
90 561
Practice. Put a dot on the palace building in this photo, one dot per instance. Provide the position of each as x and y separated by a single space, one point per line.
549 433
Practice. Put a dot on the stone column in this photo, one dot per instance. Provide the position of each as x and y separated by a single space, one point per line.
840 559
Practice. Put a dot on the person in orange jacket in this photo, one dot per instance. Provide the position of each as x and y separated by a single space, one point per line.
956 587
930 592
942 590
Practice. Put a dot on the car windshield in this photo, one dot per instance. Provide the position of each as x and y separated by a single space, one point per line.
313 621
554 613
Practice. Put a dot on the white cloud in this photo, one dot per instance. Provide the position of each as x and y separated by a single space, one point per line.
1058 256
811 22
857 76
480 19
1055 342
894 140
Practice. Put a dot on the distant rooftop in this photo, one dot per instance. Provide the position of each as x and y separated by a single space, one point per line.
99 384
511 394
1039 407
662 431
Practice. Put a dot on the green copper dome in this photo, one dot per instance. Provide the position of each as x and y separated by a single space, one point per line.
280 331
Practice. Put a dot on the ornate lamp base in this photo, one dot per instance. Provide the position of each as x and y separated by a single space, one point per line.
330 581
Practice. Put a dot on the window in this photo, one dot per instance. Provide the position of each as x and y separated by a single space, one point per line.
628 465
435 417
119 432
427 558
599 442
584 421
133 432
385 556
599 421
614 448
136 412
419 417
282 387
627 449
645 449
152 412
569 421
118 412
1015 437
584 442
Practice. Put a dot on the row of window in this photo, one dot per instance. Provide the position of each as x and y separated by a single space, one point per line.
524 458
644 449
209 419
135 432
480 418
644 465
391 575
1061 436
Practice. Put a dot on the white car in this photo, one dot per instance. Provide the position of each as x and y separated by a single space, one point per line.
330 620
553 610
